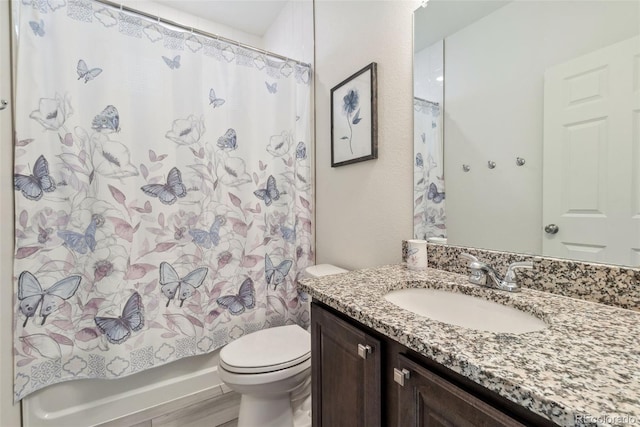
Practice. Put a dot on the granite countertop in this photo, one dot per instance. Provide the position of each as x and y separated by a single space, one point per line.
583 370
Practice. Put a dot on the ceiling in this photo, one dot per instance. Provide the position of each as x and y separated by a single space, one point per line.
251 16
441 18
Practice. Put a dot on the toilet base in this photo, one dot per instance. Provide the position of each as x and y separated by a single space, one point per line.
302 413
265 411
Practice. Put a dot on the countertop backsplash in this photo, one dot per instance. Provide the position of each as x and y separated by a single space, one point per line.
613 285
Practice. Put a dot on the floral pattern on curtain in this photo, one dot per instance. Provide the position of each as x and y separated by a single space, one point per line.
163 193
429 218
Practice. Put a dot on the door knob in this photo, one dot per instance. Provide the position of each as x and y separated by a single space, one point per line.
399 375
364 350
551 229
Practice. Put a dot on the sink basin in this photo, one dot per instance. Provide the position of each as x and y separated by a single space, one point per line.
465 310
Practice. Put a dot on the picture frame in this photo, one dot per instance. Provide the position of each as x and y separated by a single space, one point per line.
354 118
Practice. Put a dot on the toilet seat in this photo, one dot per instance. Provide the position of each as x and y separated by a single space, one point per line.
267 350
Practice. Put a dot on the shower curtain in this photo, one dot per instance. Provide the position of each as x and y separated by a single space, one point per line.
163 192
429 219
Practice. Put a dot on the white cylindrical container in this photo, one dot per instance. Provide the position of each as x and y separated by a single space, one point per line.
417 255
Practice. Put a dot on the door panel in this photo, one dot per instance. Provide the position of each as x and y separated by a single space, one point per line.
591 179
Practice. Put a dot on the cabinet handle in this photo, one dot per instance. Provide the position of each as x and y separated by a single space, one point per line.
399 375
364 350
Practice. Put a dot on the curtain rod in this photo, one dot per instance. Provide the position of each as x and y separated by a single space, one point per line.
427 101
123 8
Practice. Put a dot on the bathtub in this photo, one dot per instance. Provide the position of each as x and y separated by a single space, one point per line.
84 403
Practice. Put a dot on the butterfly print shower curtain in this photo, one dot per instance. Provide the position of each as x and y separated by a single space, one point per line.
429 214
163 193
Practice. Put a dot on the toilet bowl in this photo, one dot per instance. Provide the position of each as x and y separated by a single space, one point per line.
265 367
271 368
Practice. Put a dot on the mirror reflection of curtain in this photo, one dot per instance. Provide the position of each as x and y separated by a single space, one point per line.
428 182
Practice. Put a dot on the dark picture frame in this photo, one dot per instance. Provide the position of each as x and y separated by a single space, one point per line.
354 118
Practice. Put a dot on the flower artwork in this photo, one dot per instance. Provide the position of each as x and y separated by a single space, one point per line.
354 118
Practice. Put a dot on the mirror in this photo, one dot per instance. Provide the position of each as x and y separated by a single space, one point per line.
526 117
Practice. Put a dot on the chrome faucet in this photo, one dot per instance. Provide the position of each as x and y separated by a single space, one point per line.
483 274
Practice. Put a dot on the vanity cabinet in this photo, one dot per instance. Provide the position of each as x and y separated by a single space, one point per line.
426 399
363 378
345 371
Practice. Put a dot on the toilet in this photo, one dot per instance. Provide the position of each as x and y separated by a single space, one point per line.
269 368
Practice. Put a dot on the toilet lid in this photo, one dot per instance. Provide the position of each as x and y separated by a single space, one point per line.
267 350
320 270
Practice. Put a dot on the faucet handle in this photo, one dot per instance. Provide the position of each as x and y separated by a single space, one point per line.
509 283
474 263
478 275
510 275
470 257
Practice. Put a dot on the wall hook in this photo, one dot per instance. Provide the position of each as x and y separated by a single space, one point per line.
3 104
520 161
466 168
491 164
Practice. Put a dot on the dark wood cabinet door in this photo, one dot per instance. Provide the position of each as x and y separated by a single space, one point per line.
428 400
346 380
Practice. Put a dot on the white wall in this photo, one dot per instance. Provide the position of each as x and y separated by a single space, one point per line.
428 66
364 210
167 12
291 34
9 413
494 110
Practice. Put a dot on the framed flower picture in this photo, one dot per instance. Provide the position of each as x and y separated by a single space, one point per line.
354 118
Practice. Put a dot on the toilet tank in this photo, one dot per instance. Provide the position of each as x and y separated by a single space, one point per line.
323 270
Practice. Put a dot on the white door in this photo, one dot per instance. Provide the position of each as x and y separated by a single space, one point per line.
591 178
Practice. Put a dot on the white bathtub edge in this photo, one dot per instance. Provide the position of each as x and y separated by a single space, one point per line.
130 403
